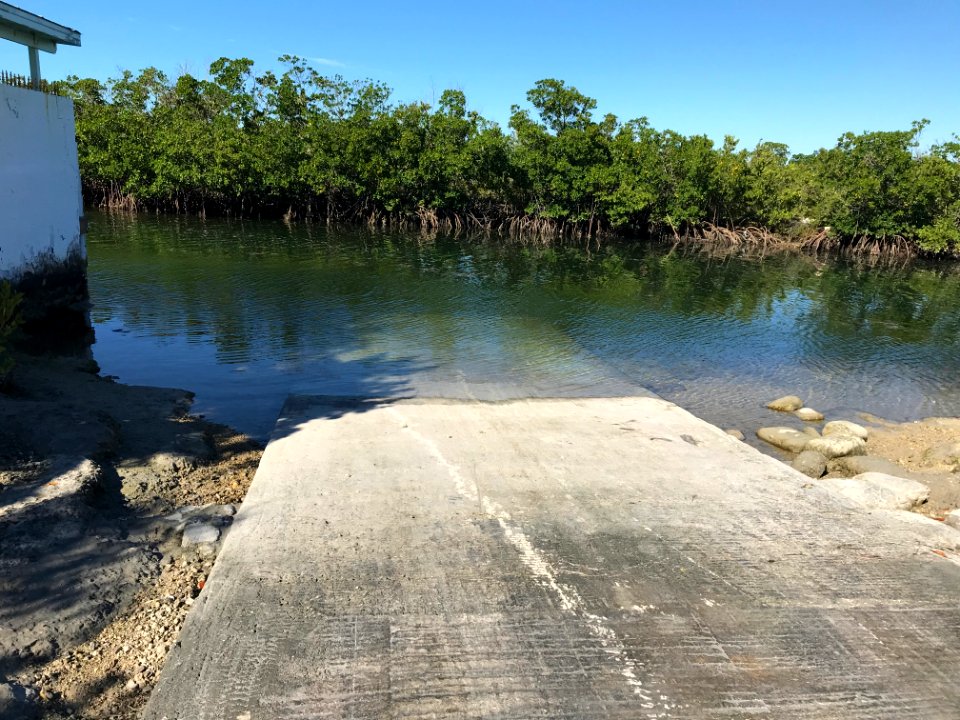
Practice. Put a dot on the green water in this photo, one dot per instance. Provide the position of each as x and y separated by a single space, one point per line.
245 313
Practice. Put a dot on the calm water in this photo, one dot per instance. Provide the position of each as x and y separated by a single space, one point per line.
245 313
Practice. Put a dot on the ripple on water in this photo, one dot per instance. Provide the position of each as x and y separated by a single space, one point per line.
301 309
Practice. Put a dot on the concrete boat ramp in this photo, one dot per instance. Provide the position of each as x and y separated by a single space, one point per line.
575 558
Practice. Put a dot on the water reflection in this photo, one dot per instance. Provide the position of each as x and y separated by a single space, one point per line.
245 313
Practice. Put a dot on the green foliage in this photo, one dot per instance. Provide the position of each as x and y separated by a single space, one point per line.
306 144
9 322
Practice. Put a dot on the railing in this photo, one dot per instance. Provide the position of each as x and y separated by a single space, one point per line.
22 81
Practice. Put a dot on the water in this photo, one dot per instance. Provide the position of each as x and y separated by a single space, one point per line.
245 313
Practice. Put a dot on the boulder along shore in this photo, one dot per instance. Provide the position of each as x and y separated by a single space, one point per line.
875 462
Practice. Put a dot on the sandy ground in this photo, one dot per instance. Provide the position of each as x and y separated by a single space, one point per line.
97 482
909 446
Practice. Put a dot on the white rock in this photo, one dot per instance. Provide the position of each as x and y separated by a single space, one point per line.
834 446
219 510
197 534
845 427
785 438
809 414
880 491
788 403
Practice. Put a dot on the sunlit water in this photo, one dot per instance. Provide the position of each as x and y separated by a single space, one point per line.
245 313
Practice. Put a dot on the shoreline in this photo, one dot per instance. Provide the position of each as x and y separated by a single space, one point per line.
98 483
722 241
121 488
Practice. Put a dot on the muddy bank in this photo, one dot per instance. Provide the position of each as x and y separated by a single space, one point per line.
98 484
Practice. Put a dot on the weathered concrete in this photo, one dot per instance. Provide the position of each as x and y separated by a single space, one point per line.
591 558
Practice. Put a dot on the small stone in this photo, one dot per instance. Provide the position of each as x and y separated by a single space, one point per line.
811 431
219 510
784 438
734 433
880 491
944 454
810 463
199 534
845 427
834 446
809 414
788 403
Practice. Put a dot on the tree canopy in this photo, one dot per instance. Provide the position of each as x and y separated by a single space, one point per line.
309 145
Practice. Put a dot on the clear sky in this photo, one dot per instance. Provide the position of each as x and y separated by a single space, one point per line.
796 72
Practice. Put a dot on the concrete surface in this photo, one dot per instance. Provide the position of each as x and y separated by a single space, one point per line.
40 201
578 558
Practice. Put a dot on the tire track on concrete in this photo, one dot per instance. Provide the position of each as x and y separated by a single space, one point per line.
540 567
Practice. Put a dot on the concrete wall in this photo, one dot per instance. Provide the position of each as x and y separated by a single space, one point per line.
40 200
42 250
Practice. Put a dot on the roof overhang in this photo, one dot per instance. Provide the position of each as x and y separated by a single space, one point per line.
24 27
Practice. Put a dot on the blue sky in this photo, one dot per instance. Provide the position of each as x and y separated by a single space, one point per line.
800 73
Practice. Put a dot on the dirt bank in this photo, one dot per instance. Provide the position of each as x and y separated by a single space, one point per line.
917 448
98 482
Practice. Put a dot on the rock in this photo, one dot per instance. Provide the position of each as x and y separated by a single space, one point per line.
18 702
845 427
811 431
63 493
947 453
809 414
856 464
880 491
788 403
168 463
733 432
198 534
810 463
953 519
219 510
834 446
784 438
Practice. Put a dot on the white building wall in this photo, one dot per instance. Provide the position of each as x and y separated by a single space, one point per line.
40 199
